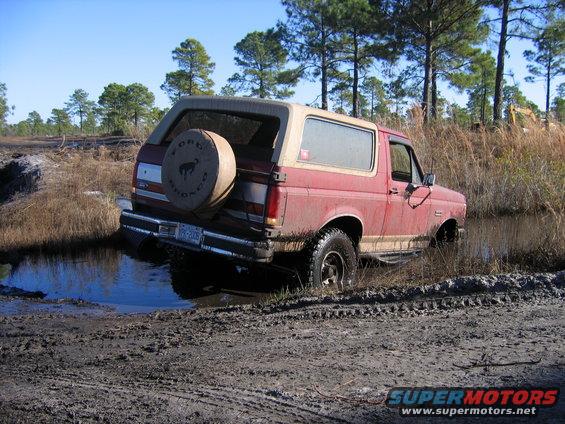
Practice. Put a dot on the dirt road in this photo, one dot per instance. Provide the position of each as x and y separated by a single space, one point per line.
313 360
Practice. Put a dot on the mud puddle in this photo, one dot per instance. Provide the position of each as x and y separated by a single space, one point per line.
120 279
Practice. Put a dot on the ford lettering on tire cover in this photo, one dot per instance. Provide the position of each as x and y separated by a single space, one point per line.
198 170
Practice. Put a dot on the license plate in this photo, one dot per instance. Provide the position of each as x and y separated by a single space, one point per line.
189 234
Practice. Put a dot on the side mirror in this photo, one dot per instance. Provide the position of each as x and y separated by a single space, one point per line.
429 179
410 188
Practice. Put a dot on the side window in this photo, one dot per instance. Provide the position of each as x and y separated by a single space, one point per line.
403 164
416 174
329 143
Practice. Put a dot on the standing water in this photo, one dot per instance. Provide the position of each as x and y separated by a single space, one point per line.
120 279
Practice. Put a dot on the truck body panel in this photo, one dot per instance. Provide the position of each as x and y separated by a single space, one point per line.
287 191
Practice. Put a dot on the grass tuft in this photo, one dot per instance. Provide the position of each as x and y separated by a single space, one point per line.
75 203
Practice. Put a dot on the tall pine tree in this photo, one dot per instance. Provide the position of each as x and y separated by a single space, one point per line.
427 27
548 60
516 18
194 74
311 31
261 58
79 105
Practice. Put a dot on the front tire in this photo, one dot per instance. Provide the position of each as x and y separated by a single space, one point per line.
331 260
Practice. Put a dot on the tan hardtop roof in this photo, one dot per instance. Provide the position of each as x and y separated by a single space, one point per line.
286 111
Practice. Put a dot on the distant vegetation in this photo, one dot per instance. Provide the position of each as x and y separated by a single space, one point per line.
415 44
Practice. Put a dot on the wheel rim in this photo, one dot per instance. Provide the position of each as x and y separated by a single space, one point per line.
333 269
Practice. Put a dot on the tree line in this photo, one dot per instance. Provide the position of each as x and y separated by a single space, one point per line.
119 108
413 45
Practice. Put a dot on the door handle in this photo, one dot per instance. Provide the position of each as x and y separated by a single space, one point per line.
393 190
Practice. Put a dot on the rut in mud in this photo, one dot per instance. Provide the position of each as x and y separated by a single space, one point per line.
326 359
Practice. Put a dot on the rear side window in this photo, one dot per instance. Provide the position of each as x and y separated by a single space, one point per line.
329 143
403 164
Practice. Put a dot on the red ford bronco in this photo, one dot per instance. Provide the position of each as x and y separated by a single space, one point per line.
251 179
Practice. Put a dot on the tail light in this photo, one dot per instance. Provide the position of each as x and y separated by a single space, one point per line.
134 177
276 203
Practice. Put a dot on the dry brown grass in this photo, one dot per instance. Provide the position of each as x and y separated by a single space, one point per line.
500 172
63 212
492 246
503 171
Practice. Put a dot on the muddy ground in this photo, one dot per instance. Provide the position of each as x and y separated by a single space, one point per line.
310 360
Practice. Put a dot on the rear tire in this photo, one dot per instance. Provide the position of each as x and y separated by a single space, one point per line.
331 260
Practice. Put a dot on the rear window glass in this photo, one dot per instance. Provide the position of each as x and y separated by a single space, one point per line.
247 134
329 143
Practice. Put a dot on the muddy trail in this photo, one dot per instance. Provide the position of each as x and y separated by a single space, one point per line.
328 359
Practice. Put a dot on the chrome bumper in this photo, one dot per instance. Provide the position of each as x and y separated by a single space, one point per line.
212 242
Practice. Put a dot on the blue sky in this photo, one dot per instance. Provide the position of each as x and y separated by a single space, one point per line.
48 48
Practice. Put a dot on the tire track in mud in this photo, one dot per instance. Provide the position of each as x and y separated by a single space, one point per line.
451 294
215 396
425 306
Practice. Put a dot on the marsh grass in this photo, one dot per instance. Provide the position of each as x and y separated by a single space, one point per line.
492 246
502 171
75 203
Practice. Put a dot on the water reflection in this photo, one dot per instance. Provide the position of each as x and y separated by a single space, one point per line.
131 282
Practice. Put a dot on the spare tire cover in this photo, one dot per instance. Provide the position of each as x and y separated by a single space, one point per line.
198 170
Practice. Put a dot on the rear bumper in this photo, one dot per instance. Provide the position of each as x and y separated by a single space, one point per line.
168 232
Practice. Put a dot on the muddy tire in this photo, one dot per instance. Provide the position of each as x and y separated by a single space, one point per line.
330 260
198 171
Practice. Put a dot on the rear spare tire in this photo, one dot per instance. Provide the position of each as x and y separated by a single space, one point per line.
198 171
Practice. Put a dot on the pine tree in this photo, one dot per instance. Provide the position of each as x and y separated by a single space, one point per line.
61 121
548 60
79 105
373 90
481 90
261 58
120 104
399 91
113 108
558 107
518 18
194 74
35 122
340 93
4 108
139 102
90 122
311 32
478 81
432 30
363 34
